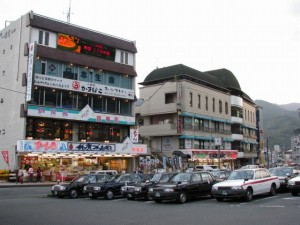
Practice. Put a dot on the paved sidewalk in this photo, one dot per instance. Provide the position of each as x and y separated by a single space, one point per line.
26 184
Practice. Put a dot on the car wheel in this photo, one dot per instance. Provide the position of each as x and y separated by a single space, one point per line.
182 197
109 194
294 193
73 193
148 198
220 199
249 195
93 197
130 198
158 200
272 190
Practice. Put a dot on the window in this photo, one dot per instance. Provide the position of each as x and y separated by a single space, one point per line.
196 177
98 104
124 57
3 51
213 105
199 101
187 123
43 68
43 39
206 103
191 99
69 73
169 98
226 108
220 106
41 34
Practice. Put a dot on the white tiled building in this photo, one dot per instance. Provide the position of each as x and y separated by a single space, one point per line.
67 97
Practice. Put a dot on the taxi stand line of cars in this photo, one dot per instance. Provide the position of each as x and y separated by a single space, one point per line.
242 183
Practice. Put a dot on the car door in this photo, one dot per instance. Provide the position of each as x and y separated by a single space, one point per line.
195 185
207 183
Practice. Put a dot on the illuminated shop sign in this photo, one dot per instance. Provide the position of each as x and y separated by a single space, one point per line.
81 86
86 114
42 146
78 45
92 147
213 154
48 146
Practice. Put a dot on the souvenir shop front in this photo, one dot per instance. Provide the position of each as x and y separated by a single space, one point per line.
68 159
211 157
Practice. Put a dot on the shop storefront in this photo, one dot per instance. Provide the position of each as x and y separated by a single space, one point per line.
211 157
68 159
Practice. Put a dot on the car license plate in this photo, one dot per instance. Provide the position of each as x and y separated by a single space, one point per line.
90 194
129 195
55 192
224 193
157 195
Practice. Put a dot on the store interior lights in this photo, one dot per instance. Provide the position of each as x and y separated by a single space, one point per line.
83 140
29 138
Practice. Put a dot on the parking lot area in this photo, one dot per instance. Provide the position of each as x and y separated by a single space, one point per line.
32 205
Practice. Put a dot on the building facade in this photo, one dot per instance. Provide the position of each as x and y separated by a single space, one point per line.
203 116
67 97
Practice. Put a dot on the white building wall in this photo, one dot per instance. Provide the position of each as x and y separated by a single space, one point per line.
13 64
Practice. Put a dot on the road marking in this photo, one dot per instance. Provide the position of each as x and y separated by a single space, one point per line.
272 206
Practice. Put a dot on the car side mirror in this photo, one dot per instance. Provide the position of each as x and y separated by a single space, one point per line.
288 175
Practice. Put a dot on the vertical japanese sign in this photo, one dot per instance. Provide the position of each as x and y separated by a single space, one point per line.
30 72
5 156
134 135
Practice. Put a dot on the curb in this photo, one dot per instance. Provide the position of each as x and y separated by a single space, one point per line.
14 185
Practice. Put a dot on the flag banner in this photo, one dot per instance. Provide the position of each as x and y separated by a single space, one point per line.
5 156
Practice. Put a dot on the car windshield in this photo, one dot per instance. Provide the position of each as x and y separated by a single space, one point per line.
181 177
156 177
241 174
78 179
281 171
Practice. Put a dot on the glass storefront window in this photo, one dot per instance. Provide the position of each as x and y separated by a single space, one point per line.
50 97
68 100
187 123
98 104
83 100
113 105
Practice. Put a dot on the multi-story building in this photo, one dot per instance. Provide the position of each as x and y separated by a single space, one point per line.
202 116
67 97
295 147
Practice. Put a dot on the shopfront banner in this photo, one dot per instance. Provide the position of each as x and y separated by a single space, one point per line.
86 114
5 156
82 86
42 146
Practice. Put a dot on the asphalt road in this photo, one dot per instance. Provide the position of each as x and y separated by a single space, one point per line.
33 206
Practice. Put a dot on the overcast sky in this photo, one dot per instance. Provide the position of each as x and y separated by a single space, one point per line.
257 40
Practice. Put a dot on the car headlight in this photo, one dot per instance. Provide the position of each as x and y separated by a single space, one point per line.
123 188
138 189
291 182
168 190
97 188
236 188
84 188
150 190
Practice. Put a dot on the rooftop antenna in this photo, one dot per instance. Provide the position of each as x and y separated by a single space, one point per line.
69 13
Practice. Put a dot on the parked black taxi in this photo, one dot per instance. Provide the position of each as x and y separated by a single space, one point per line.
75 187
140 190
112 188
184 186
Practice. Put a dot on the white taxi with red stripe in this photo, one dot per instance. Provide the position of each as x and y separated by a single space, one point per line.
246 183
